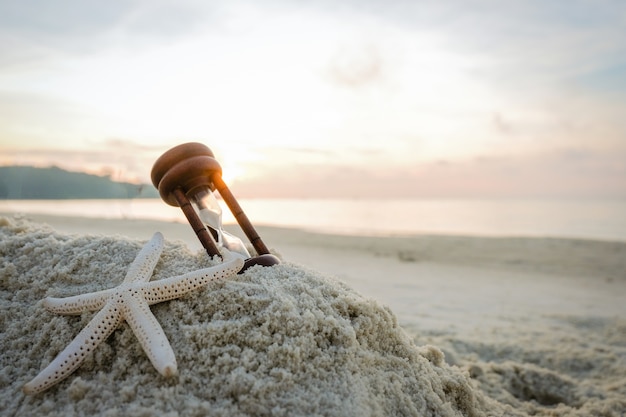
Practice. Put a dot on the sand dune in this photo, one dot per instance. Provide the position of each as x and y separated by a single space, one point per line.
427 325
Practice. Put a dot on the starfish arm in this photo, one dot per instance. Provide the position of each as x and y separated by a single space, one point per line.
143 265
167 289
150 335
98 329
79 303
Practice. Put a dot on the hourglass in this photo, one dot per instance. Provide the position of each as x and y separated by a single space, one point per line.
186 177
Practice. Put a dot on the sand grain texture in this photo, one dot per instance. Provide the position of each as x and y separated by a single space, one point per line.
290 340
274 341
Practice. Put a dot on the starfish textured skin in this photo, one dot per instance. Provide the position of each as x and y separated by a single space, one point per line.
129 301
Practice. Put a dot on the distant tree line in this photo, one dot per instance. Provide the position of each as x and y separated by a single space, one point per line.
30 183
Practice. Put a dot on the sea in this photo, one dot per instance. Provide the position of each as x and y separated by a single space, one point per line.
587 219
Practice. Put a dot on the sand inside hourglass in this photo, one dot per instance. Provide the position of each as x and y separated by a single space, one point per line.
210 213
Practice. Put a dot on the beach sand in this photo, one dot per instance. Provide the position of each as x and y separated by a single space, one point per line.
423 325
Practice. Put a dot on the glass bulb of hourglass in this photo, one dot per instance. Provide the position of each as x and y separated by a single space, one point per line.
210 212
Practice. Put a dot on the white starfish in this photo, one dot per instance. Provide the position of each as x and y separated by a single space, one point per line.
129 301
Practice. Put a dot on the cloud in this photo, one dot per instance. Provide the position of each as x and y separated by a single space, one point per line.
356 66
536 45
40 18
510 81
563 173
523 44
501 124
33 118
566 173
33 32
61 21
36 32
122 159
166 19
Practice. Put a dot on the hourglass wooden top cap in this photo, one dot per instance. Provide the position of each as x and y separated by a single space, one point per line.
188 166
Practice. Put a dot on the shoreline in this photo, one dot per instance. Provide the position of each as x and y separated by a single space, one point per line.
595 220
574 276
553 255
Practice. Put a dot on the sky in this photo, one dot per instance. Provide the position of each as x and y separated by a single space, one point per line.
389 99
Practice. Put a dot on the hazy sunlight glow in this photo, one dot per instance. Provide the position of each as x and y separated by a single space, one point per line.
301 89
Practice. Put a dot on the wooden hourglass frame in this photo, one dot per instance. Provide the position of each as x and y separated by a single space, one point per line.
189 169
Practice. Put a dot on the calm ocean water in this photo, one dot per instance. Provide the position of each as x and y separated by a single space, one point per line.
584 219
